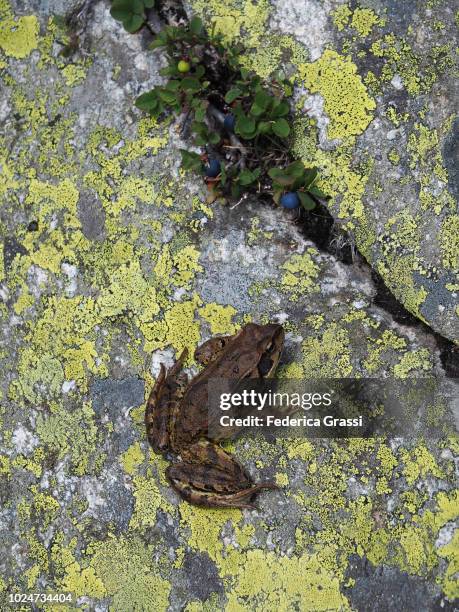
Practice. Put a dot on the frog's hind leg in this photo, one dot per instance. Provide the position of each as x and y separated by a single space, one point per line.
167 390
208 476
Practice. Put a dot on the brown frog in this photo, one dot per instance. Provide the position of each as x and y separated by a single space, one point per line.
176 416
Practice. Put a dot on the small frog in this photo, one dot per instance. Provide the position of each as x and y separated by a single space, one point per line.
176 416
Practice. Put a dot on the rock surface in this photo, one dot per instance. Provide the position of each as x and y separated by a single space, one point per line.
377 90
113 264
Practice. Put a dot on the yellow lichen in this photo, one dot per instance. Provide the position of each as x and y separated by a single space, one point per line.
219 318
18 37
363 20
301 272
449 242
346 100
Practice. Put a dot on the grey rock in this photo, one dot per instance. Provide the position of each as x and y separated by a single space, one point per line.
383 589
115 395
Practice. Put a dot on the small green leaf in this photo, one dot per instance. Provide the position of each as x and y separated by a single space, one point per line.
223 175
191 160
244 73
235 190
306 201
232 94
147 101
167 96
200 141
277 195
318 193
133 23
196 26
191 84
281 128
200 112
310 176
214 138
246 177
280 177
275 173
199 127
245 126
256 110
262 99
280 110
264 127
159 41
120 14
169 71
172 85
129 6
295 169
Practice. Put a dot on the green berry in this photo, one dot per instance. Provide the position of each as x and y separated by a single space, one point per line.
183 66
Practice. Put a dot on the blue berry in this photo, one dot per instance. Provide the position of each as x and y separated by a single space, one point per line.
213 168
290 200
229 122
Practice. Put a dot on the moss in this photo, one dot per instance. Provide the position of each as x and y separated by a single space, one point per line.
346 100
177 329
40 375
2 267
300 449
205 527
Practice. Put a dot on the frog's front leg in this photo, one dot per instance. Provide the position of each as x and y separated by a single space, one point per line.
208 476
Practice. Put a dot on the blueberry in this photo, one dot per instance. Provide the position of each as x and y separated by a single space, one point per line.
213 168
290 200
229 122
